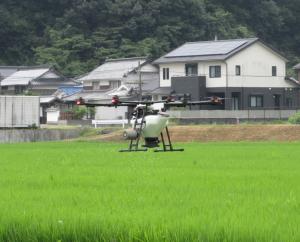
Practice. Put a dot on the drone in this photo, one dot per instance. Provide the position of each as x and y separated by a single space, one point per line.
149 120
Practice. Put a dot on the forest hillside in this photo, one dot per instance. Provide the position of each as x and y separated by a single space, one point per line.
77 35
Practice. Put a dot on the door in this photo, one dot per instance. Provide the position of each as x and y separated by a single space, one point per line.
235 101
277 101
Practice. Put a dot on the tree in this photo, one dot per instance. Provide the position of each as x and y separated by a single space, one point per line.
77 35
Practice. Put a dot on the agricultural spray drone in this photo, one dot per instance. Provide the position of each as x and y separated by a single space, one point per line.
149 120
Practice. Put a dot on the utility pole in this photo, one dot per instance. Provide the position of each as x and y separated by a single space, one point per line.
140 82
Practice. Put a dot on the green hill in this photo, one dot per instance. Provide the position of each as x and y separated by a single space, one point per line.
76 35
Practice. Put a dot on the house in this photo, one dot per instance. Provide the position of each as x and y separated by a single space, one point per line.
247 72
53 105
117 77
116 72
33 80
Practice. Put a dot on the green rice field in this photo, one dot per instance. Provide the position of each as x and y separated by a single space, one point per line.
88 191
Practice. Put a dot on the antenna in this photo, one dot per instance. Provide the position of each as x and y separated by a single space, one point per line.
140 82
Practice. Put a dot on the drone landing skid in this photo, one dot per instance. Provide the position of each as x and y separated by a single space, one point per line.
169 150
134 150
167 147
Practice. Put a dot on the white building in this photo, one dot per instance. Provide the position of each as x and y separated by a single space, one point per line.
249 73
117 77
116 72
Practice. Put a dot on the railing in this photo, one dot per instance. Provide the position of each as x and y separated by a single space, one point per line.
116 121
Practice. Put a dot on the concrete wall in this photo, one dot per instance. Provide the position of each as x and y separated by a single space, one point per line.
228 114
36 135
19 111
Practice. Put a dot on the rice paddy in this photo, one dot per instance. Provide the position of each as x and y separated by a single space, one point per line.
88 191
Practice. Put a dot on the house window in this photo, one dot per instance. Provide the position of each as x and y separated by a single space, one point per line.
19 89
191 69
214 71
235 100
237 70
256 101
274 71
105 87
115 84
166 73
95 85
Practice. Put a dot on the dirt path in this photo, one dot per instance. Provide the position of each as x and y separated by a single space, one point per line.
207 133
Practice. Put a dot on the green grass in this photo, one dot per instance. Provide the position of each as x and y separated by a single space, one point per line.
81 191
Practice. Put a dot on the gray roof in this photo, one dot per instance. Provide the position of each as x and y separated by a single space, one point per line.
6 71
88 96
37 76
114 69
297 67
208 50
23 77
47 99
293 80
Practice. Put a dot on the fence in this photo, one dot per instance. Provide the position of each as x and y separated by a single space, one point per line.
19 111
233 115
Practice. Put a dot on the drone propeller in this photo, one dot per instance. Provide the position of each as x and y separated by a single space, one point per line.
170 101
211 101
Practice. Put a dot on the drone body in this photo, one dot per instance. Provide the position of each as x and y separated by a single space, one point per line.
147 123
150 121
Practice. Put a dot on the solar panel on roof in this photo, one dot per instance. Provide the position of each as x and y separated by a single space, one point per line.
206 48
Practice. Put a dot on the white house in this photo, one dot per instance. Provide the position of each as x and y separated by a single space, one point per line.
116 72
249 73
117 77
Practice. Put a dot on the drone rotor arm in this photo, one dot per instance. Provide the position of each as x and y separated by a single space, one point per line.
110 105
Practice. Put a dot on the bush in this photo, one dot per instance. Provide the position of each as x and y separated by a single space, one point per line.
295 119
33 126
79 112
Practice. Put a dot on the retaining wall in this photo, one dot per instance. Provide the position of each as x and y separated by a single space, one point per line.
36 135
228 114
